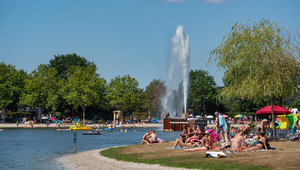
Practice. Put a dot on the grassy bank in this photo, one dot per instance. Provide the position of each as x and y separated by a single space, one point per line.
285 157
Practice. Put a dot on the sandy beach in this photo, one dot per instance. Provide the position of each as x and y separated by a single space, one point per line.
93 160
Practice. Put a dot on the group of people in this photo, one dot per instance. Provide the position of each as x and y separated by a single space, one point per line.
194 137
229 137
150 137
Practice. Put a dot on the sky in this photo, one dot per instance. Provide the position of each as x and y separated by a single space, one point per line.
128 36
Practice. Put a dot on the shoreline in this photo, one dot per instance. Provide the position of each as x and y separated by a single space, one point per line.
53 126
93 160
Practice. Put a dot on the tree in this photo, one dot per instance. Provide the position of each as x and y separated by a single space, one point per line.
153 94
202 95
62 63
259 63
123 93
11 85
83 87
41 89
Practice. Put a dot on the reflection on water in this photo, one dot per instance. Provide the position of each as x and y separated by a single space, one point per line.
37 148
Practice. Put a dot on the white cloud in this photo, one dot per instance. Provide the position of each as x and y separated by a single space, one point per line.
215 1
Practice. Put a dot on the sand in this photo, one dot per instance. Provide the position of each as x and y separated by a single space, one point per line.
93 160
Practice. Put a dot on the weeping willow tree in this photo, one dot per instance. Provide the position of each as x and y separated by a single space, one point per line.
259 62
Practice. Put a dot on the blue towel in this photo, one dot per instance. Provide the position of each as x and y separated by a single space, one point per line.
222 122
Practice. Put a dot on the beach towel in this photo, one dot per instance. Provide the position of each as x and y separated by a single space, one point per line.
215 154
222 123
186 147
213 135
160 140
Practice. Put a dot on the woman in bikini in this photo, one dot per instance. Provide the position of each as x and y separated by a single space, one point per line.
206 144
261 144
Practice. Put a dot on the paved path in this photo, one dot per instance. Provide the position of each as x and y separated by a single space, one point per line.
93 160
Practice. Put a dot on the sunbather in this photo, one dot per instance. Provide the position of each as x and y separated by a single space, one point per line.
236 143
145 139
206 144
153 137
261 144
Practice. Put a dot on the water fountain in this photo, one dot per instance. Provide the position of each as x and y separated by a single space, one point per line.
174 101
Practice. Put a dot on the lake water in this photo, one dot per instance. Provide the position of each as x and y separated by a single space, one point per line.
38 148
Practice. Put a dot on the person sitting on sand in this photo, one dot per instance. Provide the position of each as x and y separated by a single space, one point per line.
185 140
206 144
261 144
145 139
247 129
183 135
196 130
236 143
153 137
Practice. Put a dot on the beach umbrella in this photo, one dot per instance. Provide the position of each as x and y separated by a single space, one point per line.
277 110
51 119
43 118
238 116
210 117
225 116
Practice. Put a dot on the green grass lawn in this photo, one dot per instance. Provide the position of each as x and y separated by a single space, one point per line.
192 160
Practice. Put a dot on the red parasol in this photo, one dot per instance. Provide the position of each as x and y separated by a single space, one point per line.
277 110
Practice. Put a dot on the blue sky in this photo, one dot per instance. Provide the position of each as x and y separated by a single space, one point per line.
128 36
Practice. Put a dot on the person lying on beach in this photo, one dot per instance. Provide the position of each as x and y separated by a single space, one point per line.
261 144
206 144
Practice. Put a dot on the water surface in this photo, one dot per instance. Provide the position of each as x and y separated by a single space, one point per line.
38 148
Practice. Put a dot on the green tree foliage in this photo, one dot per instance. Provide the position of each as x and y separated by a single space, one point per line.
83 87
202 94
11 85
41 88
153 94
123 93
259 62
62 63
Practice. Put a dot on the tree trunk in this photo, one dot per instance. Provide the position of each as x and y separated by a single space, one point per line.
40 112
148 112
273 119
83 115
240 106
3 113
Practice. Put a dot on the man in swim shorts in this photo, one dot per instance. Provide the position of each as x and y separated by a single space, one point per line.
236 143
